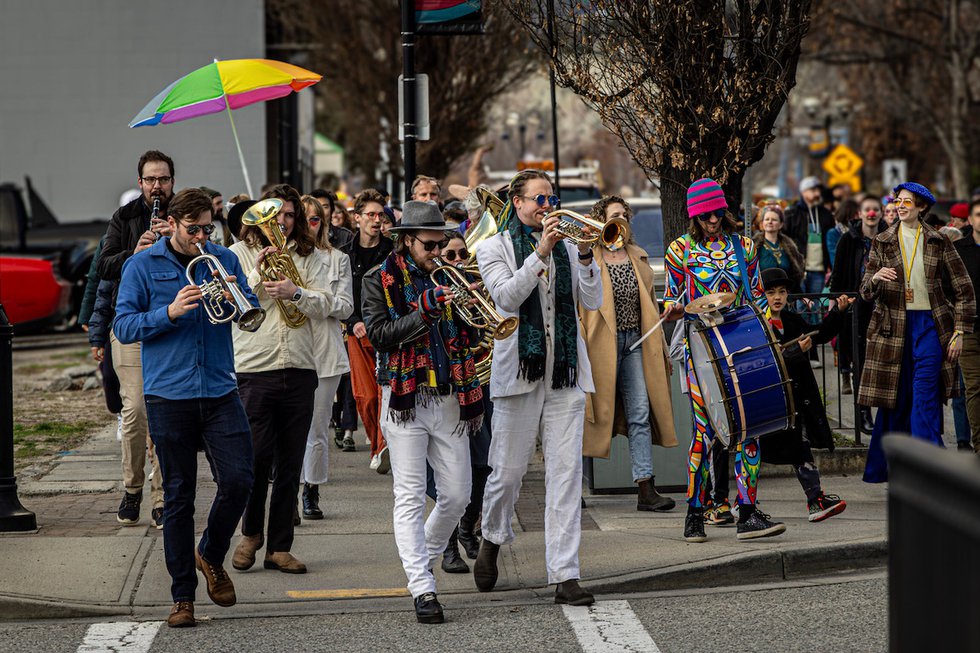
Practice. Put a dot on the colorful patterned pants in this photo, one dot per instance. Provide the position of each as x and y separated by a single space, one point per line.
747 458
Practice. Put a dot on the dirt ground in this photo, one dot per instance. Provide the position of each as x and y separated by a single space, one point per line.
47 422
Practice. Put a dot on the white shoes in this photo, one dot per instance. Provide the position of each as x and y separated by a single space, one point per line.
375 462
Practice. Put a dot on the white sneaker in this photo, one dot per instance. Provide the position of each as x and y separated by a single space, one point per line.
367 441
384 461
375 462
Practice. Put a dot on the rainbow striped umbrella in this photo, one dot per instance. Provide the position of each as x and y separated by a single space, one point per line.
223 86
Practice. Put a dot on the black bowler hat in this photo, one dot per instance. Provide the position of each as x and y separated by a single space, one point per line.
775 278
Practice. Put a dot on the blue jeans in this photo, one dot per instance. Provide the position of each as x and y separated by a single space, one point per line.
632 389
961 422
179 429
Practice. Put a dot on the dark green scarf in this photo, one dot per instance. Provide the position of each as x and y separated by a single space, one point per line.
530 335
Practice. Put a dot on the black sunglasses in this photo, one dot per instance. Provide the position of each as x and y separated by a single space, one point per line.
194 228
450 255
717 213
429 245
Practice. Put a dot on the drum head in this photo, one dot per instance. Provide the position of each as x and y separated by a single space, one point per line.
709 384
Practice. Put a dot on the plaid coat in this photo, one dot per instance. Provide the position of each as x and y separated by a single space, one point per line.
886 334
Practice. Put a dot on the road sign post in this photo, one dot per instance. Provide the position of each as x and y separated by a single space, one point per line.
843 165
893 173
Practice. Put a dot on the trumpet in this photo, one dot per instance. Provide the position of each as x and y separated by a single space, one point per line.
219 310
480 315
262 215
612 234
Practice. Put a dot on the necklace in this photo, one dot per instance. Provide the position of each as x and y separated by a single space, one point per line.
775 250
908 263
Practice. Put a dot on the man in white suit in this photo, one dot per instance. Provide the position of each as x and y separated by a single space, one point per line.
539 378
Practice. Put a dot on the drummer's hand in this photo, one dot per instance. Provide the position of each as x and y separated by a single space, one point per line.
844 302
885 274
805 343
675 312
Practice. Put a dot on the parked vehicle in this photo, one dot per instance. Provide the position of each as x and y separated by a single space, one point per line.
33 295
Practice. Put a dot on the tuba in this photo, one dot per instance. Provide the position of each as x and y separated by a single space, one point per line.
219 310
263 215
611 234
480 315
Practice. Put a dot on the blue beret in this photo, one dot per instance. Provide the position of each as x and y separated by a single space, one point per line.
916 189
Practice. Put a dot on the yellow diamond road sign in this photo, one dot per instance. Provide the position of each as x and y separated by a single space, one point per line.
843 165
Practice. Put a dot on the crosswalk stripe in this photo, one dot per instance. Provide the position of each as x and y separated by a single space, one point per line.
609 627
120 637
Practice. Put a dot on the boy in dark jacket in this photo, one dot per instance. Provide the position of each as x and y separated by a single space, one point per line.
792 446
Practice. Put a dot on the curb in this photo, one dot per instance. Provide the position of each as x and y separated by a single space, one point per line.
842 461
14 608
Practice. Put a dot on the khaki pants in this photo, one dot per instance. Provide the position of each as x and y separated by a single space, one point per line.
970 364
135 435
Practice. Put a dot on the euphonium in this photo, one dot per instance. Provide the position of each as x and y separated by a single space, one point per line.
219 310
481 314
611 234
263 216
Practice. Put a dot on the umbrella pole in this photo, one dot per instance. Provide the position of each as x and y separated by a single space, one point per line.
238 146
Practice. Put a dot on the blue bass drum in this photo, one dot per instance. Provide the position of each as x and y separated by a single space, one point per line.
739 367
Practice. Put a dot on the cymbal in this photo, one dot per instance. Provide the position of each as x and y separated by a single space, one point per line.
710 303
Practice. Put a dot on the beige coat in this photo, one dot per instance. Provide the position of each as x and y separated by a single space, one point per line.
604 414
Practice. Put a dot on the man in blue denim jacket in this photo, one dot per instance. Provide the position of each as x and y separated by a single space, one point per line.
191 394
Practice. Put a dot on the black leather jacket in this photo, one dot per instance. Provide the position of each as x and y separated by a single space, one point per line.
385 333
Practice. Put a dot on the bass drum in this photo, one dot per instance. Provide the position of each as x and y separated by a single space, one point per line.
740 372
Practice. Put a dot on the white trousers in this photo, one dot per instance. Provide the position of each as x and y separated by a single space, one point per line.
429 437
317 456
559 417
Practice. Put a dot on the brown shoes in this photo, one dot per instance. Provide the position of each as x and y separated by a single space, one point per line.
284 562
244 556
220 588
182 615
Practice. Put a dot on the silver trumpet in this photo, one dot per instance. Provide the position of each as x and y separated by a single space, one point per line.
219 309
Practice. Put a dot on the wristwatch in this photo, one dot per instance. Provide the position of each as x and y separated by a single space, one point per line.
296 295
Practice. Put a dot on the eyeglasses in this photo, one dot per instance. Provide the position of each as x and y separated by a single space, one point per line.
904 201
717 213
372 216
542 200
208 229
151 181
451 254
429 245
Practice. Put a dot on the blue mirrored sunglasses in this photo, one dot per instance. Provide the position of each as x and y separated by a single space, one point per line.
541 200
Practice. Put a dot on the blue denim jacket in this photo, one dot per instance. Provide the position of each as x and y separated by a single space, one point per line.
187 359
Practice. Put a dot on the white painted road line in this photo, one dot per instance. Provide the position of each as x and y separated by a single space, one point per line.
120 637
609 627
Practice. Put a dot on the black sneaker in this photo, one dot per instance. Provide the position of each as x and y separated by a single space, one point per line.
694 527
347 444
129 508
826 505
156 518
427 609
758 525
338 437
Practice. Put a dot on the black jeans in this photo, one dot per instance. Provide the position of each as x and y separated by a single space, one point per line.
279 404
179 429
345 408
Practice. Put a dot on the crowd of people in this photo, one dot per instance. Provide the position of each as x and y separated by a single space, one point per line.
369 313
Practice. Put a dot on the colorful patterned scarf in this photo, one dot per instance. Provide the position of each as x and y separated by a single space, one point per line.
407 369
530 334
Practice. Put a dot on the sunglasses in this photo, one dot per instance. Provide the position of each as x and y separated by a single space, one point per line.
429 245
542 200
451 254
717 213
904 201
193 229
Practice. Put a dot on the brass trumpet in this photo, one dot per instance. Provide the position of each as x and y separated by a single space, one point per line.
480 315
612 234
218 309
263 215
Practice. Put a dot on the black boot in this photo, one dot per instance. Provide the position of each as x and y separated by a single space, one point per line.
311 502
571 593
485 568
649 499
867 424
451 562
469 539
427 609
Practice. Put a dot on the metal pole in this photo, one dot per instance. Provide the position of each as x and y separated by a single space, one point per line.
408 94
13 516
554 103
856 368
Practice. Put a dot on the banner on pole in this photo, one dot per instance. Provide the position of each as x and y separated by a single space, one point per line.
448 17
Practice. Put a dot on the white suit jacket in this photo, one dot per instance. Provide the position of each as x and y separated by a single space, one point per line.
510 286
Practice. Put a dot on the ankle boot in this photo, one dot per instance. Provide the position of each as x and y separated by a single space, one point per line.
311 502
451 562
648 499
469 539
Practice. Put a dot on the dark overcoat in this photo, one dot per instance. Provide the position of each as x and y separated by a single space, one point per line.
886 332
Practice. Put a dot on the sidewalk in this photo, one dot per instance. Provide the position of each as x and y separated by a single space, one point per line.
81 562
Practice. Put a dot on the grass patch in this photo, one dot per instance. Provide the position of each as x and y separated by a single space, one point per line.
35 368
32 440
841 440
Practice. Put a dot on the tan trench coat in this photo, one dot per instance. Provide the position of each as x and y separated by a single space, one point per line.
604 414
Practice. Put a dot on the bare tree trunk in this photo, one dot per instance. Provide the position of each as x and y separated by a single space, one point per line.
673 198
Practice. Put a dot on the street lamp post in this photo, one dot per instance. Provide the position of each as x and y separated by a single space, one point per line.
13 516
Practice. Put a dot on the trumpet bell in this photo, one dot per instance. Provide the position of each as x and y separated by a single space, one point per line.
506 328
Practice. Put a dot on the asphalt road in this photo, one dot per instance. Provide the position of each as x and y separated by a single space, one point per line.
839 614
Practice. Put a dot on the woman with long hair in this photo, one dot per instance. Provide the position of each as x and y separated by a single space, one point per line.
776 249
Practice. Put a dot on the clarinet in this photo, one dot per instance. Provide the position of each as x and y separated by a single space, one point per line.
155 214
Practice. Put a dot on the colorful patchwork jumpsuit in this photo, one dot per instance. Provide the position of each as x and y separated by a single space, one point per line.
711 267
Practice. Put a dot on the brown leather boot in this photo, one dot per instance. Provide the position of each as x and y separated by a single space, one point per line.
220 588
649 499
244 556
182 615
285 562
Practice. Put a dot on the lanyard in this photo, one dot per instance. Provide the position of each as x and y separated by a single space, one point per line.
906 263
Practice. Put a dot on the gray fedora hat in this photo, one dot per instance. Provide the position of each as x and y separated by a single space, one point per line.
421 215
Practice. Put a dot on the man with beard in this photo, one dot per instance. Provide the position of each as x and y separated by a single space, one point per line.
221 234
133 229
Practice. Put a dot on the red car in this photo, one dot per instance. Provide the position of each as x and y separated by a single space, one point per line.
32 294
